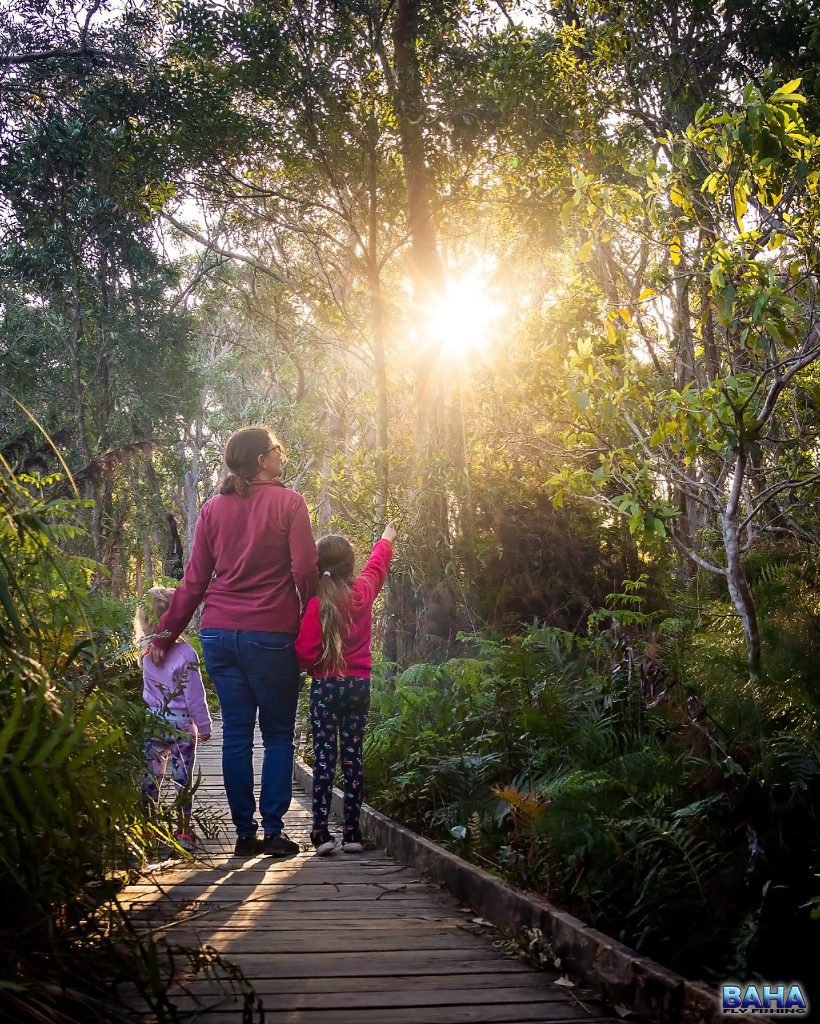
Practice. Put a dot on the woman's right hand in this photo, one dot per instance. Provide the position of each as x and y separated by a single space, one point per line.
390 531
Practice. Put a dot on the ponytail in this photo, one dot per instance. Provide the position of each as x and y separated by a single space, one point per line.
331 615
235 484
336 561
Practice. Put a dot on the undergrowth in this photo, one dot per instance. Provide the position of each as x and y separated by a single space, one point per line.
629 776
71 830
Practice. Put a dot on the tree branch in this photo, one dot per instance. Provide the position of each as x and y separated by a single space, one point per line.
770 492
695 557
82 53
263 268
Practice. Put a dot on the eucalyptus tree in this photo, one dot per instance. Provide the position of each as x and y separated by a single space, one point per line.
658 61
90 342
740 438
313 203
374 137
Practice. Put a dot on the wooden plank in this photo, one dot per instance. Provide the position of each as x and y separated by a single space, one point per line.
261 874
261 879
293 913
262 940
519 1013
273 882
484 984
294 930
285 965
417 996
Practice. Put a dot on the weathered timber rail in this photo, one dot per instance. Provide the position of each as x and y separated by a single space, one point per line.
353 939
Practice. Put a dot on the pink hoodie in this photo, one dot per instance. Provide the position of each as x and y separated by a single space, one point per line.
363 592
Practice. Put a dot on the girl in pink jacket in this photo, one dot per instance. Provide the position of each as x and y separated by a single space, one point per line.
334 647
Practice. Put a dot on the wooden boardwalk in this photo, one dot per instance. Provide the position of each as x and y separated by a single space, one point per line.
344 939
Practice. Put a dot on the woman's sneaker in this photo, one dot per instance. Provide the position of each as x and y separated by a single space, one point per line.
352 841
247 846
279 845
323 842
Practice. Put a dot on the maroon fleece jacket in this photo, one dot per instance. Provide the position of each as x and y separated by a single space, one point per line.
253 560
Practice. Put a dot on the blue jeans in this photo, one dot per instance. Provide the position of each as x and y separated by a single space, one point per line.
255 672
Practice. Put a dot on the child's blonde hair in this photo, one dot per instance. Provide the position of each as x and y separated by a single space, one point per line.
336 562
150 609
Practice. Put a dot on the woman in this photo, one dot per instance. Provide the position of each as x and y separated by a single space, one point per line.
253 561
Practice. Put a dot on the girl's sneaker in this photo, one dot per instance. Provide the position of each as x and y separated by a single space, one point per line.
185 838
323 842
352 841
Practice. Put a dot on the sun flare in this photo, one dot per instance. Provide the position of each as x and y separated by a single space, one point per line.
462 321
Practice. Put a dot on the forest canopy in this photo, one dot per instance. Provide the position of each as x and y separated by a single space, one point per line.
470 259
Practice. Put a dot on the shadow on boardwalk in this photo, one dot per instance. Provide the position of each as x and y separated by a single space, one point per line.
345 939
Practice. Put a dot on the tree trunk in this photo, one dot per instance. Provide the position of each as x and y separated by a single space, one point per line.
191 488
377 340
336 416
426 268
149 562
739 589
466 501
172 563
428 277
392 597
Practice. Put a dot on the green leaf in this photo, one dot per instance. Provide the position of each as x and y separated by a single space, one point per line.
10 727
726 304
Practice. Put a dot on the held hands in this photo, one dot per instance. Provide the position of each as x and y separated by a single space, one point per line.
390 531
156 655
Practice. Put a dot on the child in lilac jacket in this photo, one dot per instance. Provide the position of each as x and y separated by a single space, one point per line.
175 695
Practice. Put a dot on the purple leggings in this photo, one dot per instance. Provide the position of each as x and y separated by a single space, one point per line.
182 752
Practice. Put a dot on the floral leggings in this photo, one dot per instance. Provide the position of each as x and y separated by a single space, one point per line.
338 715
182 752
